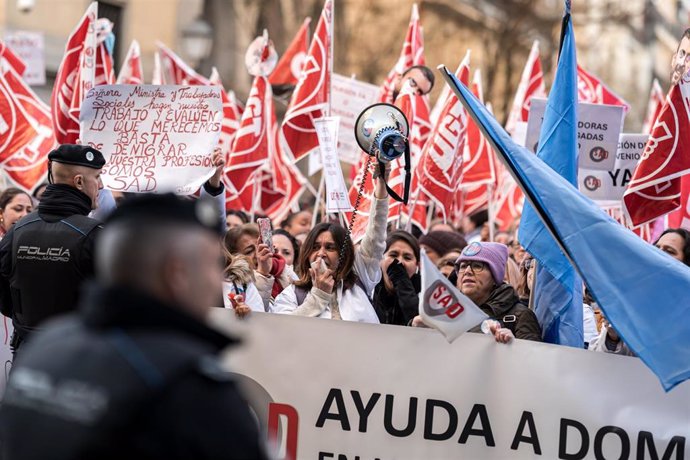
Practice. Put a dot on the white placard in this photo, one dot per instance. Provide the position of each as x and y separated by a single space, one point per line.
597 133
337 198
154 138
610 185
29 46
349 98
315 163
392 392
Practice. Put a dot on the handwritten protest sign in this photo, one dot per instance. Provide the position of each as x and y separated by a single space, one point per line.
349 98
29 46
154 138
337 198
598 128
610 185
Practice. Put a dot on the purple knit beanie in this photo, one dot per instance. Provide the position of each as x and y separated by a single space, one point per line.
495 255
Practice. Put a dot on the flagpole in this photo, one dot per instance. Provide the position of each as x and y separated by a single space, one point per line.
408 226
255 201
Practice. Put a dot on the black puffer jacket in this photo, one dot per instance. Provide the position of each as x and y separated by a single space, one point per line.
504 305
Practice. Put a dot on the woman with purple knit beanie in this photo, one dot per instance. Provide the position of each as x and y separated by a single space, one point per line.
481 269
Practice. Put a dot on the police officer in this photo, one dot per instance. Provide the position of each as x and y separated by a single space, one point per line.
135 373
48 253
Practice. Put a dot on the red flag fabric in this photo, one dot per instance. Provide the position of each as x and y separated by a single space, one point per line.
131 72
253 140
289 66
310 99
231 116
12 59
412 53
75 77
479 163
681 217
591 89
30 138
656 102
174 71
531 85
440 166
105 73
508 201
655 188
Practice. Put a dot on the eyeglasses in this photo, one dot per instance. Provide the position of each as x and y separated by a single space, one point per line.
475 266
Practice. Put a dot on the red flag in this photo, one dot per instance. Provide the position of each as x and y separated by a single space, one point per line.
131 72
412 53
656 102
12 59
479 163
508 201
75 77
681 217
174 71
231 116
440 166
105 74
591 89
311 97
32 137
288 69
655 187
531 85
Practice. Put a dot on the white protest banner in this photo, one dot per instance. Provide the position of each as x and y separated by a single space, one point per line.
598 128
349 98
347 390
315 163
605 186
337 198
154 138
29 46
6 331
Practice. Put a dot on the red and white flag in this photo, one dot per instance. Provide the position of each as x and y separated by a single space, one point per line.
174 71
681 217
440 166
655 188
27 137
412 53
231 116
289 66
131 72
12 59
479 163
508 201
591 89
282 189
656 102
531 85
311 97
105 39
75 77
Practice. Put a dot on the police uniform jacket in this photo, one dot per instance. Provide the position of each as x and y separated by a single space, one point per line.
127 377
45 257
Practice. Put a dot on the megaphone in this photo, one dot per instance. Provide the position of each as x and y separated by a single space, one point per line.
381 131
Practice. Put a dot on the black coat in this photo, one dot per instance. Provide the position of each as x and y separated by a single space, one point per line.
145 383
402 305
45 257
504 305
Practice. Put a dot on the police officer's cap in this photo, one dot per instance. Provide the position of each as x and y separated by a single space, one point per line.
169 208
81 155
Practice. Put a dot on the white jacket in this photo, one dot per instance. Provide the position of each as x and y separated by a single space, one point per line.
354 303
251 298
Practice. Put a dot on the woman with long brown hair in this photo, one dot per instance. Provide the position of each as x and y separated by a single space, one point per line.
337 280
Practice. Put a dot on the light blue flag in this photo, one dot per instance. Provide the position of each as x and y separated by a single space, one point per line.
558 289
643 291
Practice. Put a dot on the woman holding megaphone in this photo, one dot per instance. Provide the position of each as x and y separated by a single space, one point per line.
337 279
